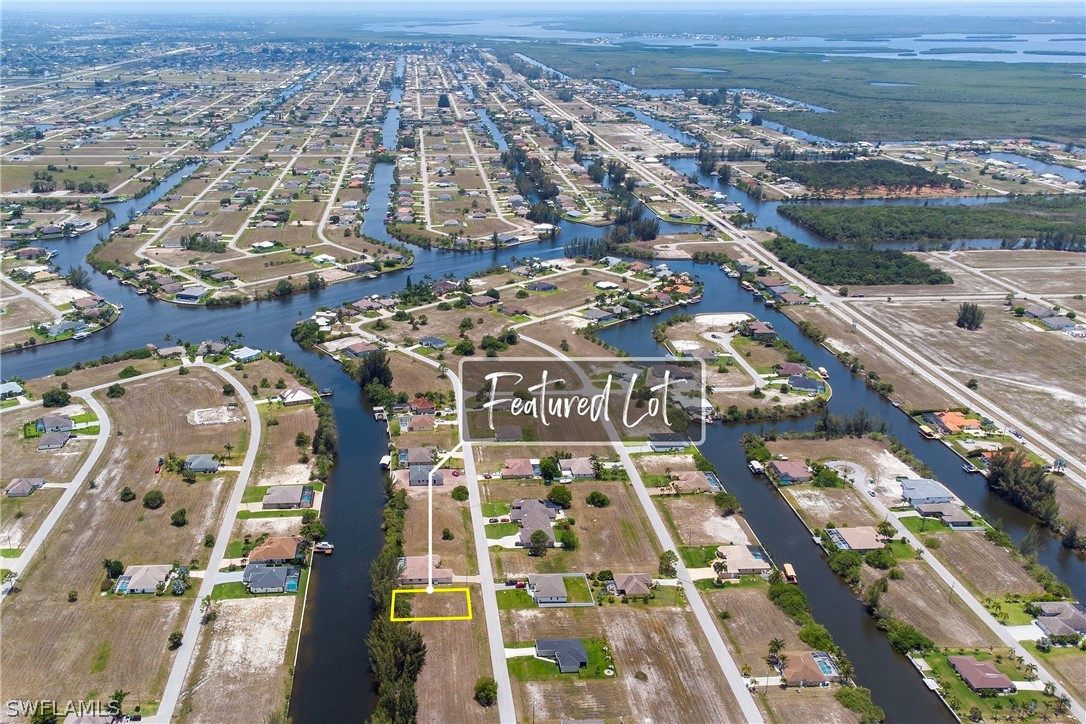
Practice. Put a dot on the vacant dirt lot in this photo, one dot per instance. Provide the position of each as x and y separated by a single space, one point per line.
92 376
663 668
277 461
411 376
819 506
809 705
457 655
924 601
101 643
458 553
1029 359
754 622
988 568
20 517
699 522
616 537
552 333
247 643
909 389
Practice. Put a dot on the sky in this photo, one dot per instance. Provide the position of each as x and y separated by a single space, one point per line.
978 7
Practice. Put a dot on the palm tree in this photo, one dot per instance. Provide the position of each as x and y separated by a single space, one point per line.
1031 671
775 647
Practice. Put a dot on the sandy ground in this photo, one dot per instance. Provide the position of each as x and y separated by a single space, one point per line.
295 474
720 321
58 293
247 645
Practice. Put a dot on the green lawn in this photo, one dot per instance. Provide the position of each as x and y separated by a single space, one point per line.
698 556
661 596
923 526
235 589
243 514
85 417
514 600
9 403
529 668
708 584
500 530
962 699
902 551
254 494
577 590
495 509
10 552
1015 610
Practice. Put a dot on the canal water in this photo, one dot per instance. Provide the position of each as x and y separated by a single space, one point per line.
332 679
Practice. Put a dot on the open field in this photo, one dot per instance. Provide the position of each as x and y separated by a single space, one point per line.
982 565
19 312
819 506
78 637
1066 664
246 643
277 460
457 654
93 376
412 376
616 537
22 459
663 669
1024 361
923 600
698 522
20 517
457 554
1033 99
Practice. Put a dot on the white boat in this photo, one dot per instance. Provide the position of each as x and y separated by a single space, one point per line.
323 547
385 462
756 467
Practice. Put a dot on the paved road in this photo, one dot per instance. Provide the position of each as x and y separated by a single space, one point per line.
1002 632
183 658
701 612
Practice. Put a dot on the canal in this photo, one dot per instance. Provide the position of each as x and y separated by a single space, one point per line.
332 678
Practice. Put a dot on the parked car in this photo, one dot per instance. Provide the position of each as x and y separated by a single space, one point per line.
511 582
158 469
493 520
521 584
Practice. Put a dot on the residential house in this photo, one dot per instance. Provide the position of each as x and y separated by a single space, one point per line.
787 369
278 549
513 310
920 491
433 342
359 349
542 286
633 584
598 316
53 440
143 579
762 331
668 441
420 461
862 538
517 468
953 421
54 423
981 676
692 481
418 570
10 389
482 300
809 385
421 423
547 587
1059 323
949 513
422 406
202 463
577 467
261 578
742 560
569 654
533 514
807 668
175 350
22 487
789 471
1039 311
1062 618
288 497
245 354
296 396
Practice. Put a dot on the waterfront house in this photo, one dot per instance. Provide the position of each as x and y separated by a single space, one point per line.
761 332
811 386
420 461
245 354
278 549
569 654
295 396
288 497
1062 618
788 471
10 389
788 369
981 676
949 513
261 578
598 316
807 668
422 406
742 560
919 491
418 570
862 538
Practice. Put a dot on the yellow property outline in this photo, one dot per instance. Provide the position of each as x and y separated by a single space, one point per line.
465 591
